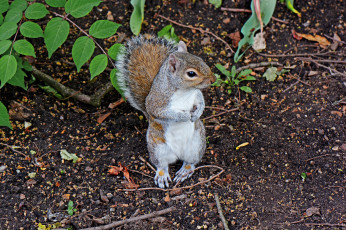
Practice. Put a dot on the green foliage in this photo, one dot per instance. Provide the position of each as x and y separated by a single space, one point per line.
115 50
216 3
168 33
103 29
115 83
252 25
14 17
50 90
137 16
233 79
4 117
70 209
289 4
68 156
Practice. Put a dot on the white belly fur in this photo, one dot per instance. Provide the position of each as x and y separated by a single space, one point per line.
181 137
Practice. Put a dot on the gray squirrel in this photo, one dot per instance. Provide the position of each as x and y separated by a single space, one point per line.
164 81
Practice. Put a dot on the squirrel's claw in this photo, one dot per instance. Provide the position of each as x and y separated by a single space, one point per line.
162 177
184 172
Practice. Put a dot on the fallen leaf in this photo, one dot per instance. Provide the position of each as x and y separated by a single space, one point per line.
114 170
235 38
102 117
295 35
68 156
167 198
206 41
337 113
66 196
322 41
259 43
110 16
312 211
226 20
336 42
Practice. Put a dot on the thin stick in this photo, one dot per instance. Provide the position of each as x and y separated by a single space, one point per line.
325 60
249 11
135 171
318 64
291 86
324 155
293 55
147 163
186 187
256 65
334 39
133 219
219 209
219 114
326 224
199 29
14 150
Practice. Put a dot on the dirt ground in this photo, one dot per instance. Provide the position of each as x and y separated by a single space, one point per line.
291 175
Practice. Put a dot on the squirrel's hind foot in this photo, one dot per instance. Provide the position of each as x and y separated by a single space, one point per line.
162 177
184 172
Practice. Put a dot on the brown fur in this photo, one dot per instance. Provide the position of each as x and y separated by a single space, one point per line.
144 65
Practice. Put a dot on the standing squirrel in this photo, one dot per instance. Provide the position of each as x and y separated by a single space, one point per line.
164 81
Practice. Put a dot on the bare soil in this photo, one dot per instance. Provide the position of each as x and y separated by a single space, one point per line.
291 175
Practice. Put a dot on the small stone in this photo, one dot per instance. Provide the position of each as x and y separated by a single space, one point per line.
335 148
109 195
22 196
112 209
343 147
3 168
321 131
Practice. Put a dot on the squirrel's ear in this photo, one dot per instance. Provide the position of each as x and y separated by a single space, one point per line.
182 47
173 63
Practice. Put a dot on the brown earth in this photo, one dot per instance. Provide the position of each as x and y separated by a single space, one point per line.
295 127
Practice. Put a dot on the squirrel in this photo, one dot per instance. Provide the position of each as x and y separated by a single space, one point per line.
164 81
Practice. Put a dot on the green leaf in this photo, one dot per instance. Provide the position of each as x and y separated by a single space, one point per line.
3 6
55 34
68 156
270 74
98 65
1 19
13 15
250 78
236 81
8 67
245 72
80 8
115 50
289 4
103 29
137 16
4 45
82 50
223 70
36 11
24 47
252 25
303 176
19 4
27 66
31 30
233 72
115 83
246 89
218 81
56 3
165 30
4 117
7 29
216 3
51 90
18 79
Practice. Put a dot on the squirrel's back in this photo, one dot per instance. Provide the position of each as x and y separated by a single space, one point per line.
138 64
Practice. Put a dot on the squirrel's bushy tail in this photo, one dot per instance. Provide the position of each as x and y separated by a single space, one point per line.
138 64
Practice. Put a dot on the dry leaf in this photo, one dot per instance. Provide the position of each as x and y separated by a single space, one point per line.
206 41
336 42
167 198
235 38
322 41
312 211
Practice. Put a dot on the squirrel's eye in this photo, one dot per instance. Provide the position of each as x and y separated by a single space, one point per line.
191 74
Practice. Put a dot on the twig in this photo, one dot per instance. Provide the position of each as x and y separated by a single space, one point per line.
186 187
326 224
318 64
199 29
135 171
137 218
219 209
256 65
293 55
147 163
249 11
291 86
94 100
324 155
14 150
298 79
219 114
335 39
86 64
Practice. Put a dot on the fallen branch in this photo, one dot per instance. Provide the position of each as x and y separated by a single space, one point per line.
219 209
94 100
199 29
133 219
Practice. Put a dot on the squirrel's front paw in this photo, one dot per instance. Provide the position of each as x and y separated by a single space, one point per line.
162 177
185 172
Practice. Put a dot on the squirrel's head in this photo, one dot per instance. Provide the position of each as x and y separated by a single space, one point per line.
189 70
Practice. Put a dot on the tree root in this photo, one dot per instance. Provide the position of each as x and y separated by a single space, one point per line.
94 100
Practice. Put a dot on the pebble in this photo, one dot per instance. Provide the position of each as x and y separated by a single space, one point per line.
3 168
335 148
321 131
